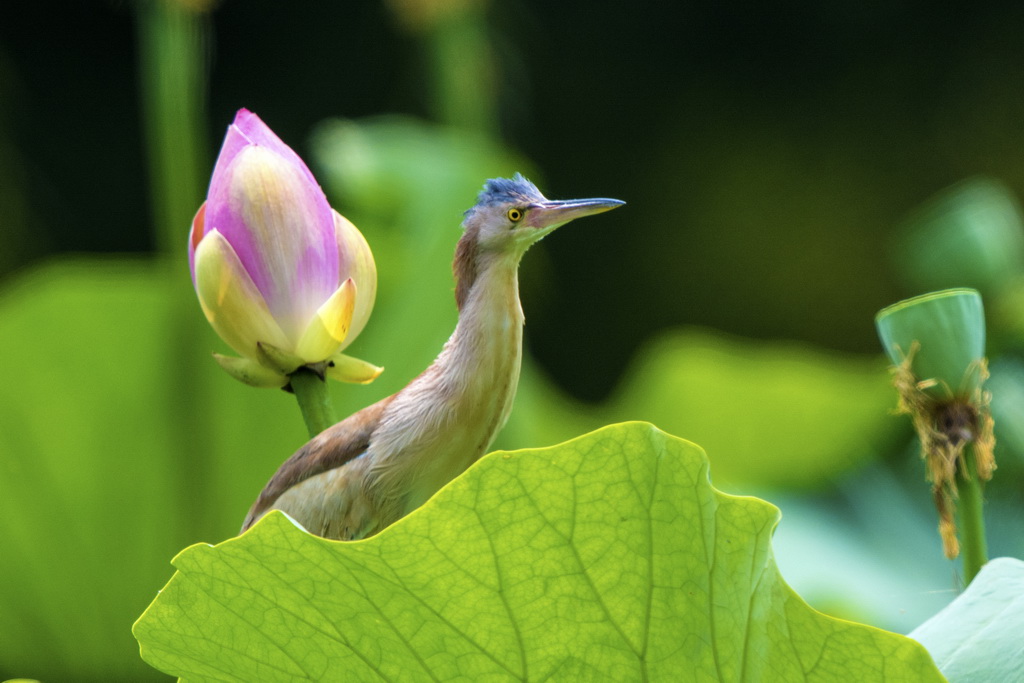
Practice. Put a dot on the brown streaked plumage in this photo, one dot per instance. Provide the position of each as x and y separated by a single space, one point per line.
357 477
331 449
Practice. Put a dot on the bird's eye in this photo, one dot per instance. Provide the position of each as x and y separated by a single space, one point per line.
515 215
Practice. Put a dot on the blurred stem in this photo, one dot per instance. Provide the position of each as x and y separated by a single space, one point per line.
314 400
972 522
171 44
463 69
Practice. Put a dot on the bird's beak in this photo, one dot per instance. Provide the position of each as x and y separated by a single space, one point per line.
548 215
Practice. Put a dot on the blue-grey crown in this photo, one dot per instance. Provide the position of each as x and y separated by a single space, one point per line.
506 190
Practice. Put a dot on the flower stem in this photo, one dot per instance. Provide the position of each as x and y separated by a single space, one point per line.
172 43
314 400
462 58
172 67
972 522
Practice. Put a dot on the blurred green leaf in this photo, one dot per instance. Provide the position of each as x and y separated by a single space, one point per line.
1007 387
85 466
610 555
95 472
968 235
976 639
867 550
739 399
772 413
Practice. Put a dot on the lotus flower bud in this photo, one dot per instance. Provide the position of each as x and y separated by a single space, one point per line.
284 279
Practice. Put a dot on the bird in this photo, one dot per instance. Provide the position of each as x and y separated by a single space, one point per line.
362 474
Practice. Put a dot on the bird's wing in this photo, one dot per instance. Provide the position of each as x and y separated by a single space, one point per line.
332 448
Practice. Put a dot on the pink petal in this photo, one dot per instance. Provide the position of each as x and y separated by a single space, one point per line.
250 128
264 201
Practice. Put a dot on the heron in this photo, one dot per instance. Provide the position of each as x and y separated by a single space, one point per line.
364 473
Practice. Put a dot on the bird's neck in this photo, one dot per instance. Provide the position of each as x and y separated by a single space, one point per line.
459 404
484 353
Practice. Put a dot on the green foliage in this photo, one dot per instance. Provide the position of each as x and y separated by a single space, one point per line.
739 399
742 399
610 556
97 463
84 469
976 638
123 442
119 444
833 550
1007 387
968 235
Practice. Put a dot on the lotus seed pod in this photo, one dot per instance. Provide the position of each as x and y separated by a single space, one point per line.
943 334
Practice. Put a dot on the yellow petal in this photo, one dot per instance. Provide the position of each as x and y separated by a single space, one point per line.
250 372
329 327
355 260
230 300
348 369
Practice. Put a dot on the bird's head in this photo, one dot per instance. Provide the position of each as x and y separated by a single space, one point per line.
511 214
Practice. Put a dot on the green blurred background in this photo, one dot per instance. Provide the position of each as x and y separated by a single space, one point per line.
780 165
